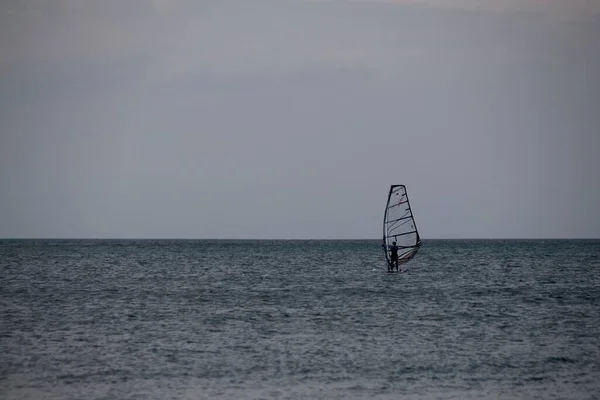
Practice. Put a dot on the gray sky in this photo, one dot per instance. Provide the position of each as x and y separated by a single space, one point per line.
291 118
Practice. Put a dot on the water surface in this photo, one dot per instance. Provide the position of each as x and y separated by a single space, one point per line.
159 319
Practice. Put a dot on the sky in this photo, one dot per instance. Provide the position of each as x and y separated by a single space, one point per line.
291 118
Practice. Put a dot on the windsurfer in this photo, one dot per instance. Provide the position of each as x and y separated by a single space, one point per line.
393 257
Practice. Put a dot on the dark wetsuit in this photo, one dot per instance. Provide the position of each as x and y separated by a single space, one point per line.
393 257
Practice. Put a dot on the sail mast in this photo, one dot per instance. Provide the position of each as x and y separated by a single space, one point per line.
385 244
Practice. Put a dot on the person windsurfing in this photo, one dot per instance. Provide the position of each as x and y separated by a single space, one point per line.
393 257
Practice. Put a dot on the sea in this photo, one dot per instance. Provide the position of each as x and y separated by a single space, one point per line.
294 319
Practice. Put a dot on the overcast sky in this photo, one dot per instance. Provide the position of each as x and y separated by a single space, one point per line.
291 118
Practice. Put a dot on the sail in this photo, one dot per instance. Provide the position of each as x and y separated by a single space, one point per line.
399 226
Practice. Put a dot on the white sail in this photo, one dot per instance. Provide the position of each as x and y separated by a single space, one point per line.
399 226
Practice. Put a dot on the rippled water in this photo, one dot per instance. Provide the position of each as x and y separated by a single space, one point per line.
298 319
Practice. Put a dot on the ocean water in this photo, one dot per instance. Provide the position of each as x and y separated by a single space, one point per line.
158 319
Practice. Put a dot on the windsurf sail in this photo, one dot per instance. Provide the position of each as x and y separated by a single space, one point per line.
399 226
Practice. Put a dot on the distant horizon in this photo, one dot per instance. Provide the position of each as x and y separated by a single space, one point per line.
298 239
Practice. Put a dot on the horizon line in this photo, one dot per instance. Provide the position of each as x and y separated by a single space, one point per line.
292 239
